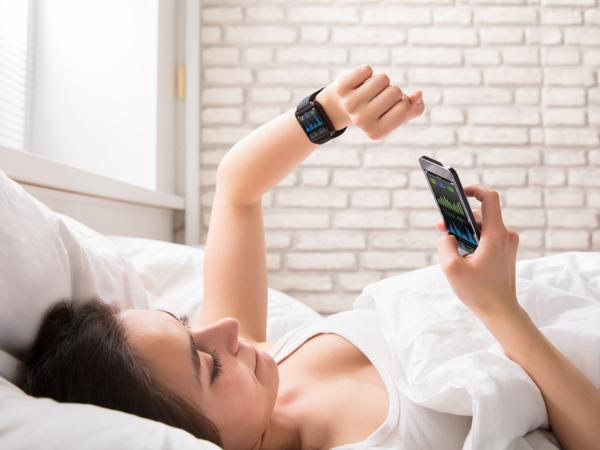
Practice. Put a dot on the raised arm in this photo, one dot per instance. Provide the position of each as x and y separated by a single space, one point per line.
485 282
235 274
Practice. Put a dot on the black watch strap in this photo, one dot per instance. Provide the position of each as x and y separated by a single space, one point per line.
325 133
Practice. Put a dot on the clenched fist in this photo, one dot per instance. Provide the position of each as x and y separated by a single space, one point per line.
369 101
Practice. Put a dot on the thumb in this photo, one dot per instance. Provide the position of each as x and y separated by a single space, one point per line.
417 105
448 252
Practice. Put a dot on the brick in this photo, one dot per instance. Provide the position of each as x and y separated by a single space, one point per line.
482 56
594 157
367 36
277 240
460 157
410 239
426 56
369 55
553 56
212 157
525 197
447 116
565 158
394 15
568 2
594 96
564 116
221 15
222 115
501 36
584 177
477 96
375 219
302 282
356 282
422 136
592 17
391 157
506 16
221 55
323 14
312 198
504 177
223 135
223 75
317 55
569 77
258 55
563 97
260 34
330 240
446 76
412 198
263 115
542 176
319 34
527 96
315 177
270 95
591 58
309 77
452 16
593 199
587 137
447 37
369 198
572 218
289 219
222 96
369 178
564 197
493 135
582 36
333 157
508 157
211 35
524 217
521 56
531 239
320 261
560 17
273 261
424 219
503 116
393 260
265 14
594 116
567 239
513 75
544 36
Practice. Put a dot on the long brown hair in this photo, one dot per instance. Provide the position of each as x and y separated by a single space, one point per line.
81 355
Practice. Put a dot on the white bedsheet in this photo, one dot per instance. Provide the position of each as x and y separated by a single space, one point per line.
451 363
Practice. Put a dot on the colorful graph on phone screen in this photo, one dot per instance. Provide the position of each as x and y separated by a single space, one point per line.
452 210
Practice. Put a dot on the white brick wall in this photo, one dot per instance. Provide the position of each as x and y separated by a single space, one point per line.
513 101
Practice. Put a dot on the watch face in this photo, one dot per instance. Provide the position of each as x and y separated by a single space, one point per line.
313 124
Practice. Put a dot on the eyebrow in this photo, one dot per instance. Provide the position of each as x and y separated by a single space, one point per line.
193 353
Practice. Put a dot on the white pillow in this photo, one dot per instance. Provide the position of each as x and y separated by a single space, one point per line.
46 257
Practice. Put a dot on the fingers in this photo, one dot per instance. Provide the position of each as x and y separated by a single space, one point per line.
370 89
448 255
491 211
382 103
398 114
351 79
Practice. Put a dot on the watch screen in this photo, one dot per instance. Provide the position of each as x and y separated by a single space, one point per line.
313 124
454 215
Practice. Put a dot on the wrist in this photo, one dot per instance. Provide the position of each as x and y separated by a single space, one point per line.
329 101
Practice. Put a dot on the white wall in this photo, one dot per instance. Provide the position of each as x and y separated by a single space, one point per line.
513 101
95 99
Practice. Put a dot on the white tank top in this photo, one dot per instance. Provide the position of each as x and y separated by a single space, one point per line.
407 425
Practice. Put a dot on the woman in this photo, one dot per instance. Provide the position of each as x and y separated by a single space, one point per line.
324 386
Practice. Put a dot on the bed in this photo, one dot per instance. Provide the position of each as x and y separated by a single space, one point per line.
135 271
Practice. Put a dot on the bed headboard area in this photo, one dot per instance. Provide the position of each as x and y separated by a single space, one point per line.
108 206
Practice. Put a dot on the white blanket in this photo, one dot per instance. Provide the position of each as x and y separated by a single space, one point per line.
451 363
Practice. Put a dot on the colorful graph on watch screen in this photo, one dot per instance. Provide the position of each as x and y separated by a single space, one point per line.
454 215
313 124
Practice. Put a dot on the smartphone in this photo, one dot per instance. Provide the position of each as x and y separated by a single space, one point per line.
452 203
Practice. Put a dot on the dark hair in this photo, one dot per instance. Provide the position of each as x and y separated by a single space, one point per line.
81 355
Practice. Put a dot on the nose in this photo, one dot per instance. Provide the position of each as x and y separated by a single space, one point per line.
220 335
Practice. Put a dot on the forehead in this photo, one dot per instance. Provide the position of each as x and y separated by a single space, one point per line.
162 343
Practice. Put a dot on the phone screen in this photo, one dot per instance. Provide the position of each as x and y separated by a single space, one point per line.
446 195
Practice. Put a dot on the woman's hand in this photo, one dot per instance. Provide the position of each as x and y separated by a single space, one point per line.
484 280
369 101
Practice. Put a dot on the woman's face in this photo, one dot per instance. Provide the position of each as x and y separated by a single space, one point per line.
225 378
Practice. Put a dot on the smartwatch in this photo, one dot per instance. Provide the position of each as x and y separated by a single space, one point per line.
314 120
